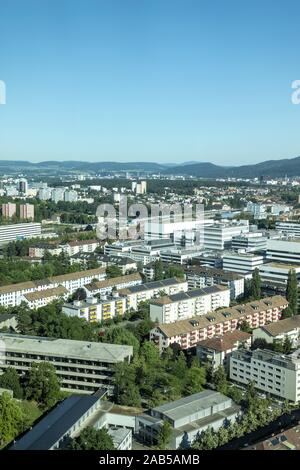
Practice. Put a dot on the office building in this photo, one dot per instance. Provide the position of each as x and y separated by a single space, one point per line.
283 251
249 242
81 366
188 417
291 229
14 232
218 236
277 273
23 186
176 307
242 263
276 374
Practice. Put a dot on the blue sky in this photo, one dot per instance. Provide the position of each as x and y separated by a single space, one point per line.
156 80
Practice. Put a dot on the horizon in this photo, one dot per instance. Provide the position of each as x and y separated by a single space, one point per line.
164 82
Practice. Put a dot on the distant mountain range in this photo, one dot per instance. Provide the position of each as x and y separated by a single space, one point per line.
271 168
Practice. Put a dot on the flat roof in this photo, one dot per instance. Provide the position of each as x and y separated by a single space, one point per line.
66 347
180 296
50 429
189 405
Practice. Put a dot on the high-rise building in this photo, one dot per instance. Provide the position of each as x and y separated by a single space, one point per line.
9 210
23 186
57 194
27 211
44 194
70 196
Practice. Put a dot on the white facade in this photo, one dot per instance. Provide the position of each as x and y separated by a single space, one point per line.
242 263
219 236
93 310
284 251
273 373
11 233
186 305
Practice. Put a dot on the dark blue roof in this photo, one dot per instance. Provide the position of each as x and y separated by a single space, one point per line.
56 424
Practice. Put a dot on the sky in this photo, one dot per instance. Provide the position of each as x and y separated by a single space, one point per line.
149 80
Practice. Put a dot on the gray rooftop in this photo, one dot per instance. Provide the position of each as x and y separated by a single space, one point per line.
189 405
66 348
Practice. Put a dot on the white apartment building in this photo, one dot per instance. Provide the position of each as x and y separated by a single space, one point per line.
41 298
109 285
14 232
95 310
13 294
80 246
218 236
242 263
176 307
284 251
201 276
273 373
136 294
187 333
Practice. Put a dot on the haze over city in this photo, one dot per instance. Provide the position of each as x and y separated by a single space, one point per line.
162 81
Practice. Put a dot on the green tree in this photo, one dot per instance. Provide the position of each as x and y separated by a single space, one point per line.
207 440
42 384
255 291
292 292
126 391
164 435
195 379
219 380
158 270
113 271
92 439
11 380
119 335
11 418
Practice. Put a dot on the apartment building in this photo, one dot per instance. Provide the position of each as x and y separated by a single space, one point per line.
242 263
176 307
41 298
218 236
140 293
95 310
109 285
201 276
9 210
13 294
277 332
188 417
80 246
38 250
81 366
273 373
187 333
216 351
27 211
14 232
